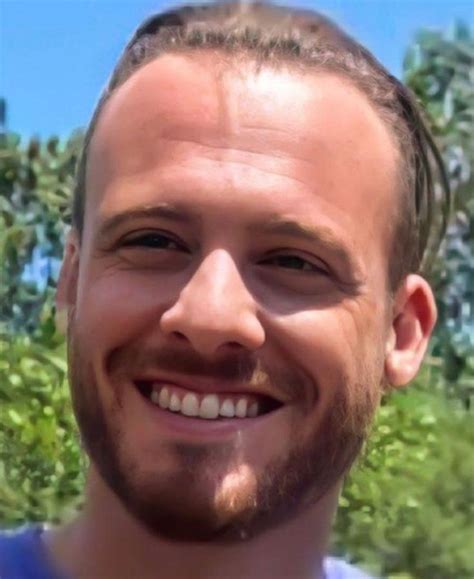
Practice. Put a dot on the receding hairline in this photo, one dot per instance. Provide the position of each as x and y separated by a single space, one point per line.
244 65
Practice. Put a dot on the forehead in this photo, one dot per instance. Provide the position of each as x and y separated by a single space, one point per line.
313 129
203 94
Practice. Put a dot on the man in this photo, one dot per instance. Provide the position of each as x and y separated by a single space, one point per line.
241 281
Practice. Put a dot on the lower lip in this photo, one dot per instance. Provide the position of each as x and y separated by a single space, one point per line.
174 423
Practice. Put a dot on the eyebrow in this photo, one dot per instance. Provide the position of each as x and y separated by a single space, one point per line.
162 211
320 235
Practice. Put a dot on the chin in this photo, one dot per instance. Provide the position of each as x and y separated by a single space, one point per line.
204 498
183 507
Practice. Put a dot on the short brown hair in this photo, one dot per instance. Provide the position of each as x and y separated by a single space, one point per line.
271 35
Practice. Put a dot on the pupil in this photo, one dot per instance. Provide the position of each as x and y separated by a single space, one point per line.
291 262
157 241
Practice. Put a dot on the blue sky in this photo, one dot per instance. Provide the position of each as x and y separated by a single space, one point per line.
57 54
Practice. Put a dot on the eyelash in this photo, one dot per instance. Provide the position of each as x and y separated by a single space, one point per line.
150 240
312 268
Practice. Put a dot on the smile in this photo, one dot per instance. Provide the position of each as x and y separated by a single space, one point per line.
209 405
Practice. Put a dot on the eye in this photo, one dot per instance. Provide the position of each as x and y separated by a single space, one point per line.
152 250
293 262
154 240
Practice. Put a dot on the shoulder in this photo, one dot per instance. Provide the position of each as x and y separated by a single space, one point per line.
17 540
339 569
22 556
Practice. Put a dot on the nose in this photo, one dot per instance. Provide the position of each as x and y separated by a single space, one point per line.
214 310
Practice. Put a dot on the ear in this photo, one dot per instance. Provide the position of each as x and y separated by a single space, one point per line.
414 317
67 283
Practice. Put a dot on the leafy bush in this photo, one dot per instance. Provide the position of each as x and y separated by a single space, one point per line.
438 68
36 184
408 509
41 466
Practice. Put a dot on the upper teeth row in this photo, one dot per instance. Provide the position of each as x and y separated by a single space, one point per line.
209 407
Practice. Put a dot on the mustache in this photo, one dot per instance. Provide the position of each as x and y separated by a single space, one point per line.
239 367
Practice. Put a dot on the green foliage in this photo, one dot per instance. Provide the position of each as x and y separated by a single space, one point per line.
35 192
407 510
41 474
439 70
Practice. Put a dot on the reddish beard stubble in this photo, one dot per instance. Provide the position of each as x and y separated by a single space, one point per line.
164 503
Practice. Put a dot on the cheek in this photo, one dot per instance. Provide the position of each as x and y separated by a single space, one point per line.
338 348
115 305
327 341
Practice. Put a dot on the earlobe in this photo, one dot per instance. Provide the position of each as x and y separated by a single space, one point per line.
413 320
67 282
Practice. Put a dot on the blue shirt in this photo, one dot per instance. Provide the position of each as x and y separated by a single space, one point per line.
22 556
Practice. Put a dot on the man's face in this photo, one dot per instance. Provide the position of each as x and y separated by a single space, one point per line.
233 261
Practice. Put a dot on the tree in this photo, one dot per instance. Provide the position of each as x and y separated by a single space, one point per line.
439 70
36 184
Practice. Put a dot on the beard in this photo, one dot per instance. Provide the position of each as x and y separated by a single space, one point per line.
209 495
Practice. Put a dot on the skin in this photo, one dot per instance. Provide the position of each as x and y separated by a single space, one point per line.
230 149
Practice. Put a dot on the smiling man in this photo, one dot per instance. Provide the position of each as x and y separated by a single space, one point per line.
241 280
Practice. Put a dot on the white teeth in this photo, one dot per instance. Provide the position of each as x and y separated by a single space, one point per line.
154 397
241 408
209 407
175 403
164 398
227 409
190 405
253 410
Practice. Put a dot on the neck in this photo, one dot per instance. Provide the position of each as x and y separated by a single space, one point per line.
106 541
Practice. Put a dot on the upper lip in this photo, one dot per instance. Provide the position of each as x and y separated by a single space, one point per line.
207 386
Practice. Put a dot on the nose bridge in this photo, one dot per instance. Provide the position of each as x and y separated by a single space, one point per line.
215 308
217 287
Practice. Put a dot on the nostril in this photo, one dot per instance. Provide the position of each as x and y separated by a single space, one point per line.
180 336
234 345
